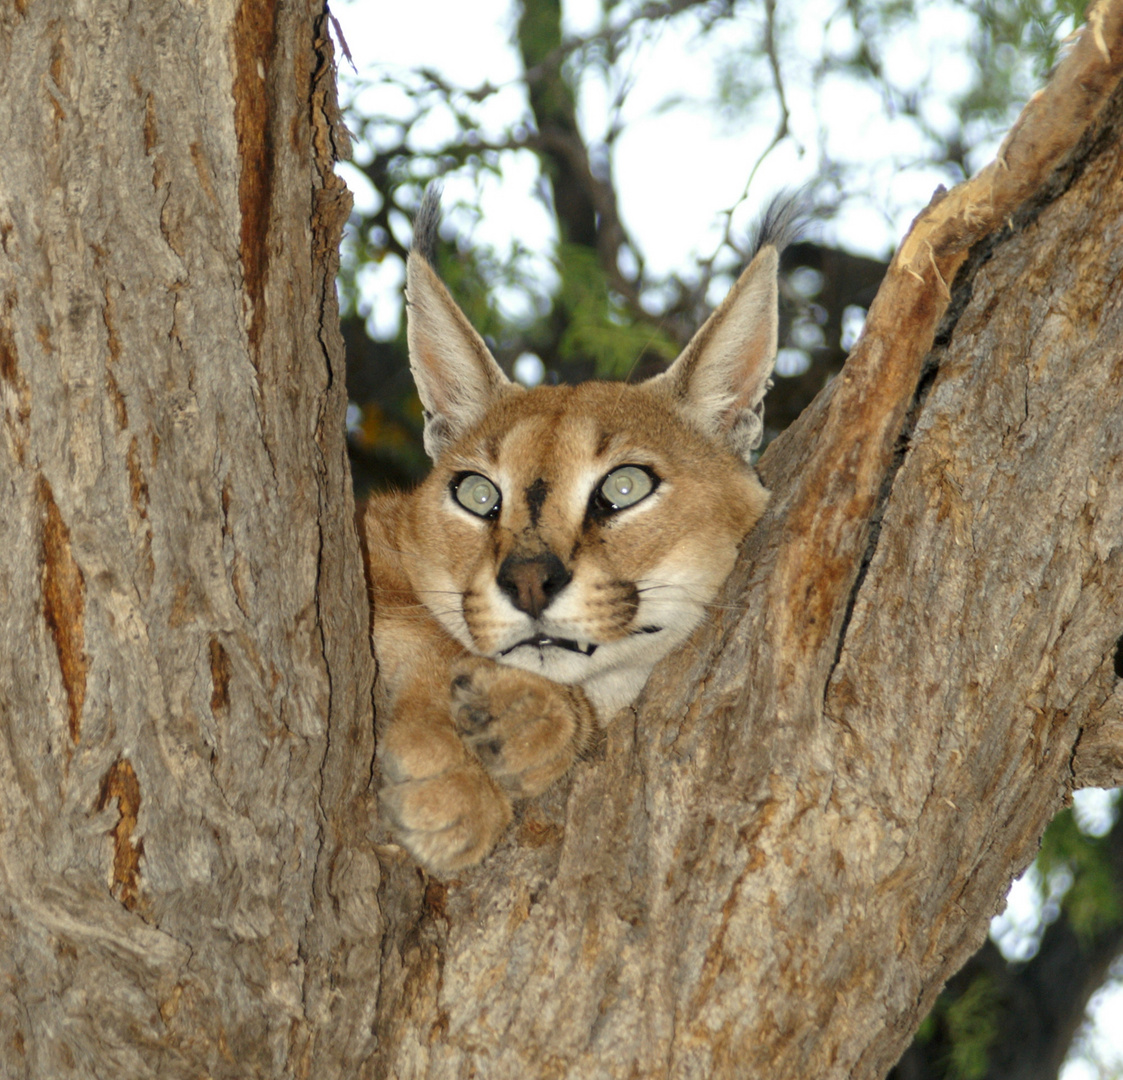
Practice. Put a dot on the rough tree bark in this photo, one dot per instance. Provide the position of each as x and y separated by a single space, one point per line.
777 859
183 653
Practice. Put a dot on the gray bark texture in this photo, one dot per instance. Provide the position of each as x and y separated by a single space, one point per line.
183 631
774 861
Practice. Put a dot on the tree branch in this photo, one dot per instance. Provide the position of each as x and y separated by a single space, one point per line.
837 490
1098 761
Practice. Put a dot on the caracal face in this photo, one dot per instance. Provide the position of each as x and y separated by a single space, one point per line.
580 533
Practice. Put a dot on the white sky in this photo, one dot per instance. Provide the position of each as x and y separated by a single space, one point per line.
664 154
686 158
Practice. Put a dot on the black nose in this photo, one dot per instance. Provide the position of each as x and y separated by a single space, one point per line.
532 583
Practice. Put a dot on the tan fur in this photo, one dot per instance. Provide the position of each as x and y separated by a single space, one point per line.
469 719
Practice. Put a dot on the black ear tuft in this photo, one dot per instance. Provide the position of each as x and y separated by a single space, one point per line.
426 224
783 221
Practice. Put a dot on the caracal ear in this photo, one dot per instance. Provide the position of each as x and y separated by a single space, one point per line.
457 378
719 381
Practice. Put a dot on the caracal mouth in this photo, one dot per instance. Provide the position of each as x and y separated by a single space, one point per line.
585 648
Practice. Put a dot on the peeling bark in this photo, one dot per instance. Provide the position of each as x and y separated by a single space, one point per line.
121 784
63 605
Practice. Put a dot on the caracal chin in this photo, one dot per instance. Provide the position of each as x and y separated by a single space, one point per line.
567 538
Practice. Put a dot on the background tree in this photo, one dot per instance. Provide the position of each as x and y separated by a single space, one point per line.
769 876
596 307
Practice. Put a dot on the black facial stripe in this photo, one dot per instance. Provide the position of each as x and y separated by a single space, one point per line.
535 496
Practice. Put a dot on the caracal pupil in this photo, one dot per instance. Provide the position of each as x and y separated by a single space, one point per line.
567 538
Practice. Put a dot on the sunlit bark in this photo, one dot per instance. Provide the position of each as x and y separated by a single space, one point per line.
776 860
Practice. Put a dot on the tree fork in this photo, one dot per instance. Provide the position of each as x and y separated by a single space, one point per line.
775 875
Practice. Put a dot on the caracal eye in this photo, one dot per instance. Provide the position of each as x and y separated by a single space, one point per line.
626 486
477 494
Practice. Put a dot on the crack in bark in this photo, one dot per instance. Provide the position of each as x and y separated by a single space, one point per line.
254 38
326 228
64 602
904 442
220 678
121 783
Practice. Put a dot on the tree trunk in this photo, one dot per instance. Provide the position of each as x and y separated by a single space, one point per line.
777 859
184 658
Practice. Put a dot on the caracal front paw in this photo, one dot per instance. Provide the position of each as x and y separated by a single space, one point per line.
449 821
525 730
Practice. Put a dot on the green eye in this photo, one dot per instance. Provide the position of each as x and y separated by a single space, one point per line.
626 486
477 494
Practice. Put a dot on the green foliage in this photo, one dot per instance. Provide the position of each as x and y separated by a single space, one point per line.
597 328
475 277
972 1027
963 1027
927 1030
1092 901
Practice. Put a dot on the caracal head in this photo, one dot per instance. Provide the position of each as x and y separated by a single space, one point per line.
581 532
